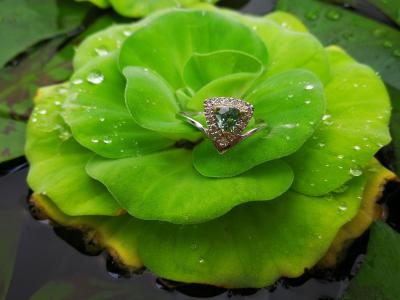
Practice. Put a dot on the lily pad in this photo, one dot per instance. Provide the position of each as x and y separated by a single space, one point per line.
24 23
378 276
369 41
12 139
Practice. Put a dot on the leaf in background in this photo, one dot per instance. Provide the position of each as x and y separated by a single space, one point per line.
378 277
395 125
46 65
12 139
24 23
370 42
390 7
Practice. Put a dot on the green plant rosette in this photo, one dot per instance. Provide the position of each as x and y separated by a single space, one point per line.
106 148
141 8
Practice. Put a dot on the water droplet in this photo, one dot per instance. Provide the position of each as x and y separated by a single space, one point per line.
396 52
95 77
340 156
57 103
101 51
357 148
355 172
127 32
342 207
77 81
320 237
307 102
290 96
322 145
379 32
62 91
287 137
102 119
312 15
42 112
34 120
64 135
326 117
107 141
291 125
95 141
387 44
201 260
309 87
254 27
333 15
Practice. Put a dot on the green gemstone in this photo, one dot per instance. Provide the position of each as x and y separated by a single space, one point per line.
227 117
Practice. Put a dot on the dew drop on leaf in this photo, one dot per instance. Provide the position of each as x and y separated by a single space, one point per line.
355 172
95 77
312 15
387 44
77 81
333 15
396 52
101 51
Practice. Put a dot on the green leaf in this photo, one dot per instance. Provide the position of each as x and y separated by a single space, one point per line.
24 23
57 161
378 277
12 139
205 74
152 103
354 128
221 252
204 32
18 84
291 104
368 41
62 289
140 8
395 126
390 7
155 195
96 112
202 69
102 43
289 49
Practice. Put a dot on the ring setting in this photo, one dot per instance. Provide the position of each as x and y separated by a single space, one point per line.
226 119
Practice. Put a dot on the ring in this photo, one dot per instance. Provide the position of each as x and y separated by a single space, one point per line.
226 119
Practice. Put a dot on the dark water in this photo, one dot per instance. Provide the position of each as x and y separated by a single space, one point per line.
36 262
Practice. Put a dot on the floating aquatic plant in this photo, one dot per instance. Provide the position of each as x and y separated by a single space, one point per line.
109 152
140 8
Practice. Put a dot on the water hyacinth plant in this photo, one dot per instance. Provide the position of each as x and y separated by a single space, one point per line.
140 8
110 154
